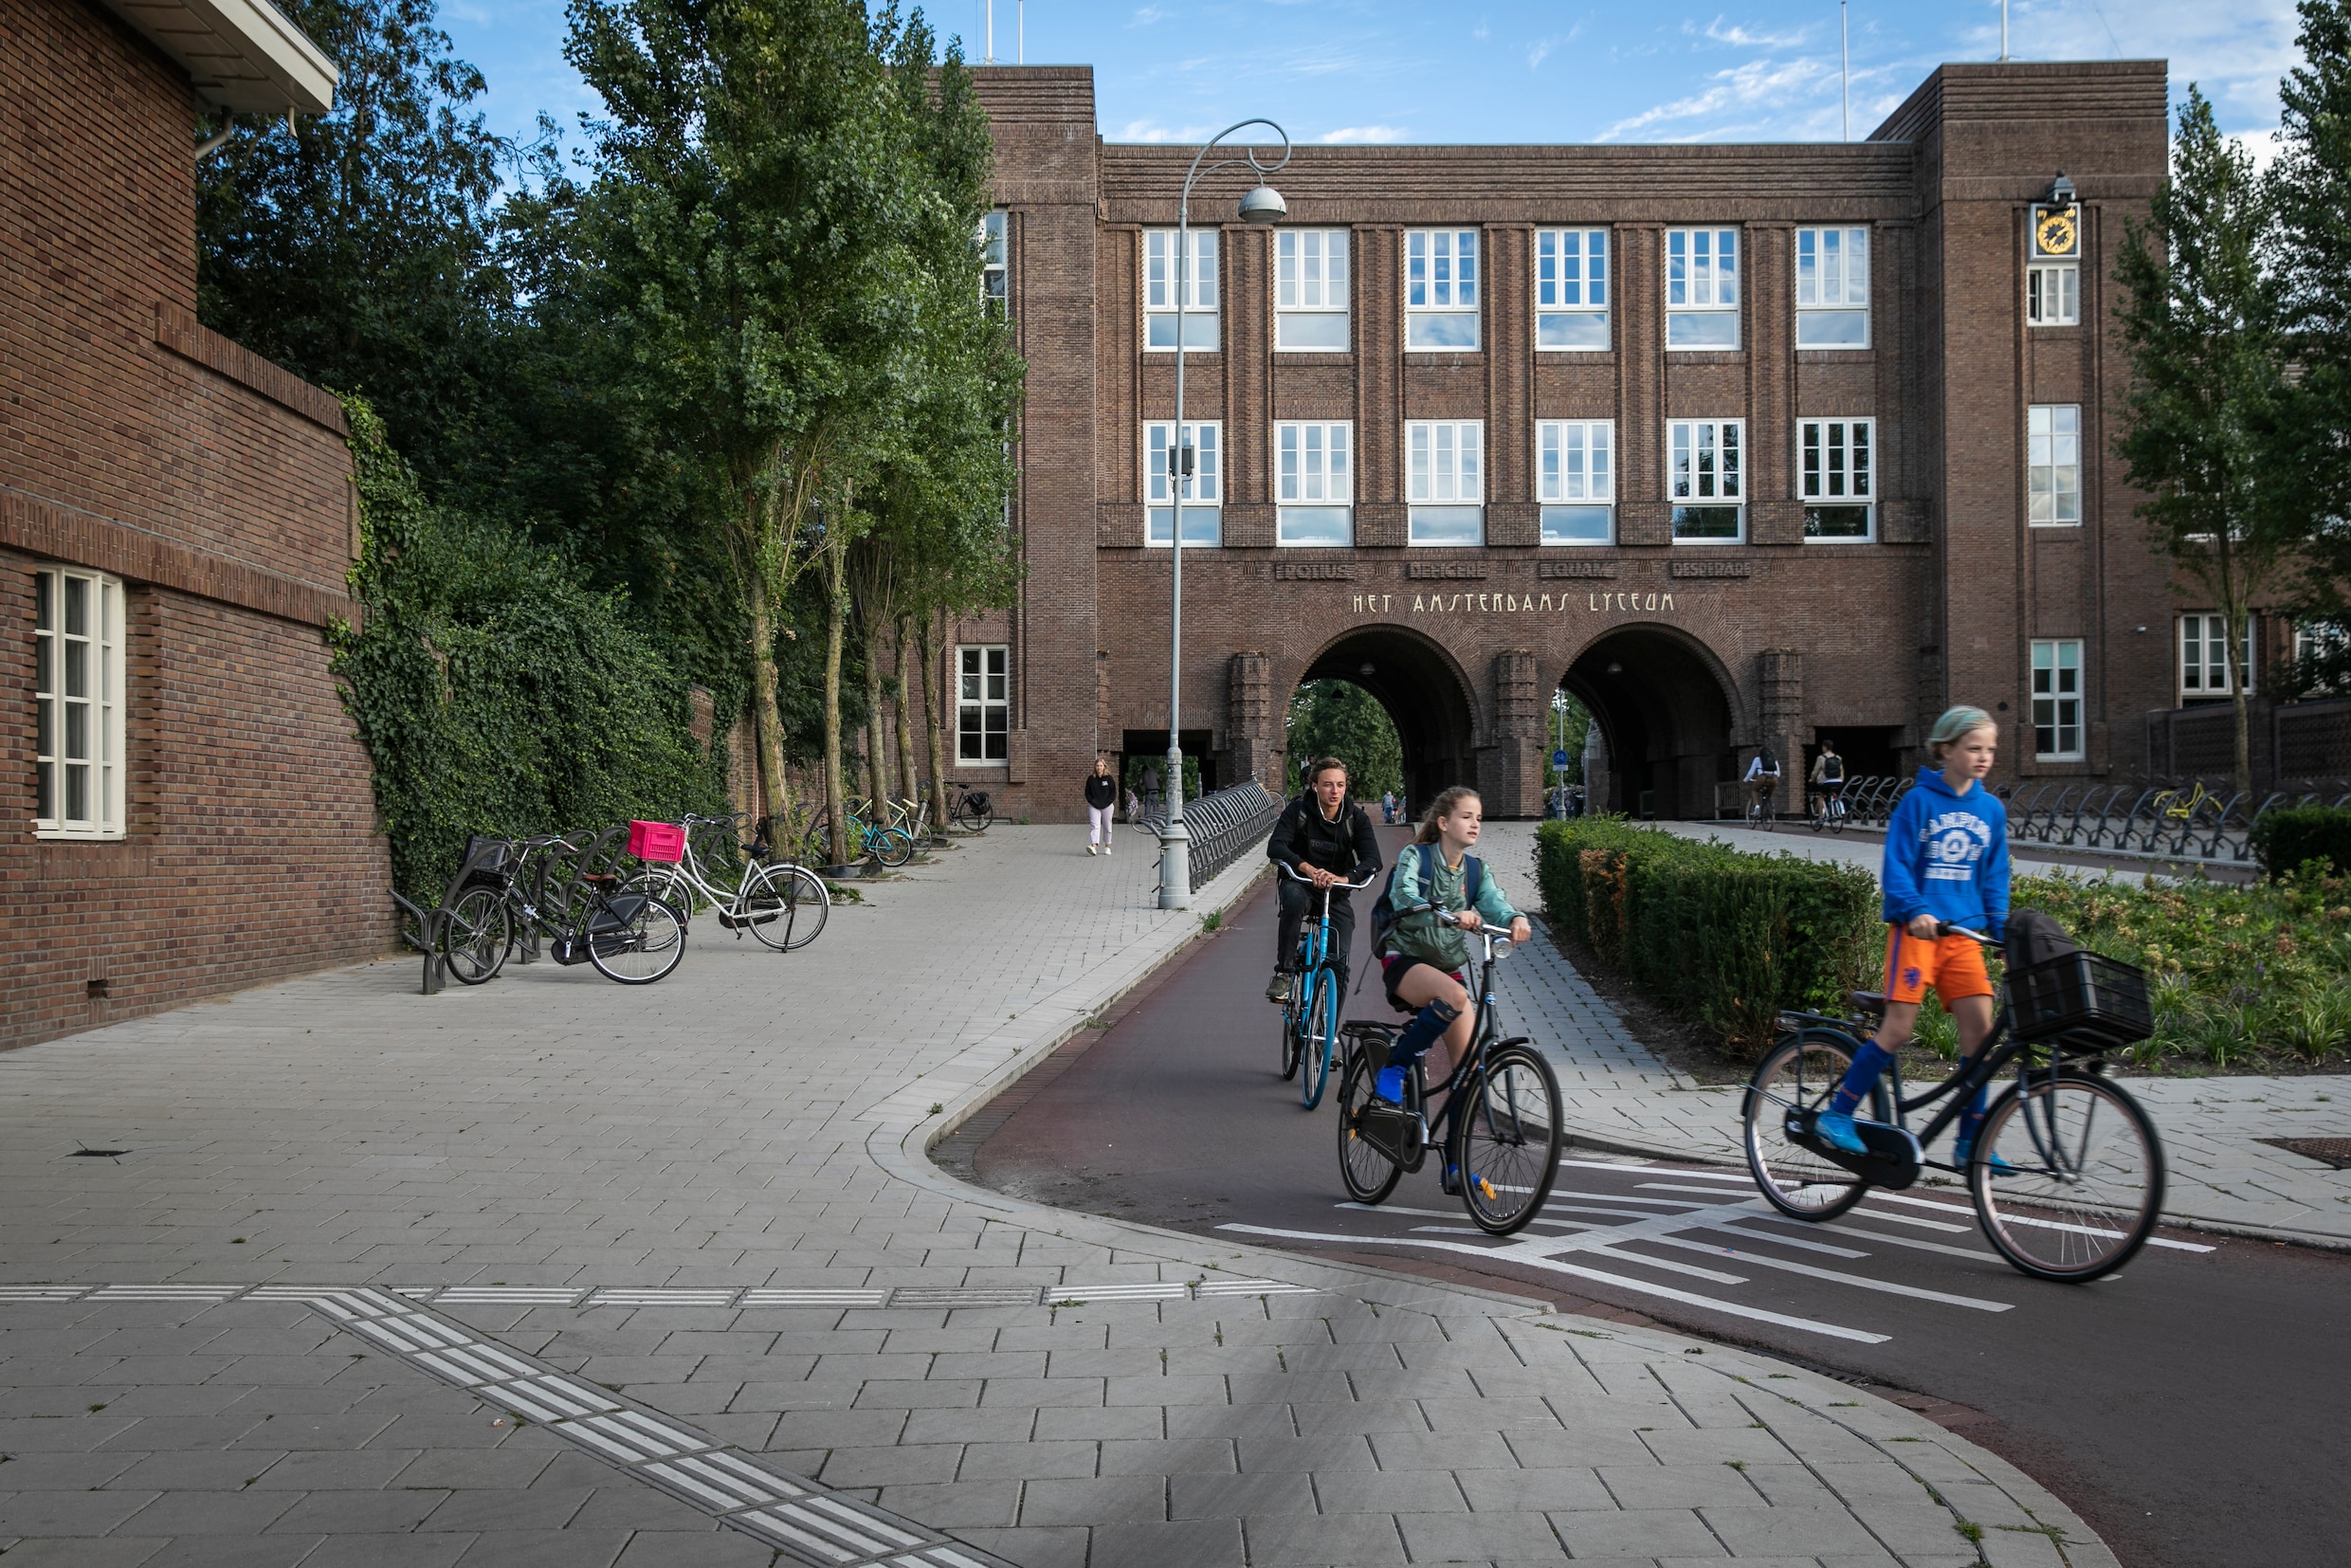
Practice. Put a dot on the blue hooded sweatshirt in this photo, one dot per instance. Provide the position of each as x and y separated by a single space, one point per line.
1946 855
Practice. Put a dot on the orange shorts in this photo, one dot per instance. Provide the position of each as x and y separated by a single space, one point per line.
1953 965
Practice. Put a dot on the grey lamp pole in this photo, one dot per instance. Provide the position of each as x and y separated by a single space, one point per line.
1263 205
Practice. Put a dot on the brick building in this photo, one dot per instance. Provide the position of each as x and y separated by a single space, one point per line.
191 806
1742 444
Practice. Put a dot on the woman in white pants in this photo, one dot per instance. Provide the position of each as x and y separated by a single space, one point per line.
1102 806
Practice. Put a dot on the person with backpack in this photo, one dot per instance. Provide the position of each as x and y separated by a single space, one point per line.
1327 839
1423 956
1827 778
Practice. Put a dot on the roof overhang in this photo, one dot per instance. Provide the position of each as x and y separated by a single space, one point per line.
240 54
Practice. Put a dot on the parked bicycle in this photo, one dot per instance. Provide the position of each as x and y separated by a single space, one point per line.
868 839
2067 1171
1310 1021
1506 1138
782 903
568 891
967 808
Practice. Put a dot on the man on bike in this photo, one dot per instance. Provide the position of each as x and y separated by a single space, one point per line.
1327 839
1827 776
1763 778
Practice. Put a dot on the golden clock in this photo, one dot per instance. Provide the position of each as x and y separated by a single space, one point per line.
2055 233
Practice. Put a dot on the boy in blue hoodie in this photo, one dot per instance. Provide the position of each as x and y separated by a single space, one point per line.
1946 861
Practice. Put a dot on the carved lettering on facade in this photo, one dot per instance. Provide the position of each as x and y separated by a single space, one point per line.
1446 570
1518 604
1574 569
1314 572
1713 568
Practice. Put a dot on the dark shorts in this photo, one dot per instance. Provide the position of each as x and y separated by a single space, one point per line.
1396 966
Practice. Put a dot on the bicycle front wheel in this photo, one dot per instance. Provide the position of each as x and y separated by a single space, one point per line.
973 818
1321 1034
784 905
1506 1139
893 847
1293 1031
475 935
2087 1177
1799 1075
1370 1174
635 938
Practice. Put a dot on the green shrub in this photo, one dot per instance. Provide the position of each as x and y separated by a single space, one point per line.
2286 839
1723 938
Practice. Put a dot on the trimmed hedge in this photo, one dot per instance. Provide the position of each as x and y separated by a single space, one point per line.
1723 938
2285 841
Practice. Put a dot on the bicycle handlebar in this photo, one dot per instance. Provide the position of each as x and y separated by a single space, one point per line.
1295 875
1945 928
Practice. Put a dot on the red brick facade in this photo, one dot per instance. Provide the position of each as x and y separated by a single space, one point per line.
1687 653
217 488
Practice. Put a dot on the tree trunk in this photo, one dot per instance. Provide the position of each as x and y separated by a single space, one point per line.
836 617
2240 634
933 695
902 711
767 722
877 753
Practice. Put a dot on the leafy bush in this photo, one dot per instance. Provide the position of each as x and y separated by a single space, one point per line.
496 693
1724 938
2286 839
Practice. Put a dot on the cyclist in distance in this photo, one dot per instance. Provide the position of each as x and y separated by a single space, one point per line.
1424 956
1828 771
1763 774
1946 861
1327 839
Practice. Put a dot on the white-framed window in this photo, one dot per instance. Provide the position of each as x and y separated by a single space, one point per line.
994 270
983 703
77 637
1571 288
1833 288
2052 294
1159 282
1310 289
1705 479
1447 480
2057 698
1575 480
2054 464
1314 483
2316 642
1836 472
1441 288
1702 289
2205 664
1204 484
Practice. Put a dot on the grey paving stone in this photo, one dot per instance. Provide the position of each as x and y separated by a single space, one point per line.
234 1552
319 1470
956 1507
881 1467
517 1464
1234 1496
1445 1537
358 1512
1189 1543
1026 1460
1546 1488
508 1509
110 1552
1060 1547
83 1513
1787 1532
544 1549
1428 1450
1127 1421
211 1513
1669 1487
1186 1456
1389 1492
1329 1538
389 1551
1637 1533
1105 1500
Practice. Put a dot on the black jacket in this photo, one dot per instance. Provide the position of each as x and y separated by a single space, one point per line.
1302 838
1101 790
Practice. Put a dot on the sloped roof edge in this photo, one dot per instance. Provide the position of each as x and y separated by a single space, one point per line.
240 54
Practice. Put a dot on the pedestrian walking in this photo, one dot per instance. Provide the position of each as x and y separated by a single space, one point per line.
1134 807
1102 806
1387 807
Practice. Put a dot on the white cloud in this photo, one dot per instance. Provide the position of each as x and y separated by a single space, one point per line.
2263 145
1740 38
2234 52
1743 101
1535 56
1362 135
1151 130
1145 15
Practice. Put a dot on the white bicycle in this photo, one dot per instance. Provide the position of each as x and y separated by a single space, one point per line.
782 903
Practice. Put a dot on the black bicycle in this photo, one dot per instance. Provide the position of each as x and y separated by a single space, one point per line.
568 891
2067 1171
1505 1138
1829 809
967 808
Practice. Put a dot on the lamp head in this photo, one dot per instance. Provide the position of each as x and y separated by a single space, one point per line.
2061 190
1264 205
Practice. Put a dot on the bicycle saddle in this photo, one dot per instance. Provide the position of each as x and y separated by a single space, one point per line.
1869 1002
600 878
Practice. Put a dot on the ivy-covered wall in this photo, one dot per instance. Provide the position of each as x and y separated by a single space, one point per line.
495 691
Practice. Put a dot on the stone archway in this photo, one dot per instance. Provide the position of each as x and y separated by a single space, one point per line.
1669 711
1427 697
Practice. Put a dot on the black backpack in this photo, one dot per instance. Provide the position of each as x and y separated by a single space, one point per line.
1832 768
1384 911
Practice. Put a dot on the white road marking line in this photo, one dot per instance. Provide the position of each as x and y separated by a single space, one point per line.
1728 1228
1914 1219
1974 1254
1754 1314
1859 1281
1714 1275
2044 1224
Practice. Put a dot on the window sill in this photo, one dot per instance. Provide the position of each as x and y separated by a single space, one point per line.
80 835
983 767
2075 523
1836 356
1336 356
1709 355
1834 544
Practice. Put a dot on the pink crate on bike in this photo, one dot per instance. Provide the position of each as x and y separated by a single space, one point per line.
657 841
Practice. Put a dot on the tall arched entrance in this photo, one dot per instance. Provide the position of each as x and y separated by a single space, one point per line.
1425 694
1663 703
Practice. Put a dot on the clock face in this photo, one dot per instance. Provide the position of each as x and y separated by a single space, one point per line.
2055 233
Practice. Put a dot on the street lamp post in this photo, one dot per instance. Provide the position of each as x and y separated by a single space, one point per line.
1263 205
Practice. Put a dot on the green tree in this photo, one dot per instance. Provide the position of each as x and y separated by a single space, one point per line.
2209 412
1339 719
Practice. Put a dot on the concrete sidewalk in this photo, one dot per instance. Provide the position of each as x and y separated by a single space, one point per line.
2222 1175
559 1271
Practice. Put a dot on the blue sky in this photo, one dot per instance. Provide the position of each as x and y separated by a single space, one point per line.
1469 71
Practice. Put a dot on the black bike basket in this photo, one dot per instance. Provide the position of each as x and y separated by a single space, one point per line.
2081 1001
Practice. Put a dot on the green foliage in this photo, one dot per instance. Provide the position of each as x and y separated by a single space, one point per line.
1566 734
1724 938
494 691
2310 186
1339 719
2286 839
2236 974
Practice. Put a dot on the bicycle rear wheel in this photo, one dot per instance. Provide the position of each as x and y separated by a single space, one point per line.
893 847
1370 1174
784 905
1293 1029
2088 1182
1506 1139
1321 1034
634 938
475 935
973 818
1800 1074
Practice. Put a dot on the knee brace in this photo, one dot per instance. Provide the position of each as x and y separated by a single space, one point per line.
1422 1033
1870 1061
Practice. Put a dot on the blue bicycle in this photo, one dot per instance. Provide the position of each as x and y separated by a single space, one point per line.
1310 1022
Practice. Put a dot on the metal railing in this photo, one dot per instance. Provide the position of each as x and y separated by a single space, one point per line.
1224 824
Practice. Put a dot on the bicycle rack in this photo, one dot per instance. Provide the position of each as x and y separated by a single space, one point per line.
1224 824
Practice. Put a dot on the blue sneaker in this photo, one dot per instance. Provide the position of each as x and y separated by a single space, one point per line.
1835 1128
1389 1086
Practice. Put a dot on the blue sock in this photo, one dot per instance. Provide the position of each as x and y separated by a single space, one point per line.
1870 1061
1971 1120
1423 1031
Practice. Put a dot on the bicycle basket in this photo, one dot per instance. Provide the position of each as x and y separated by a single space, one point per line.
489 862
2081 1001
661 842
